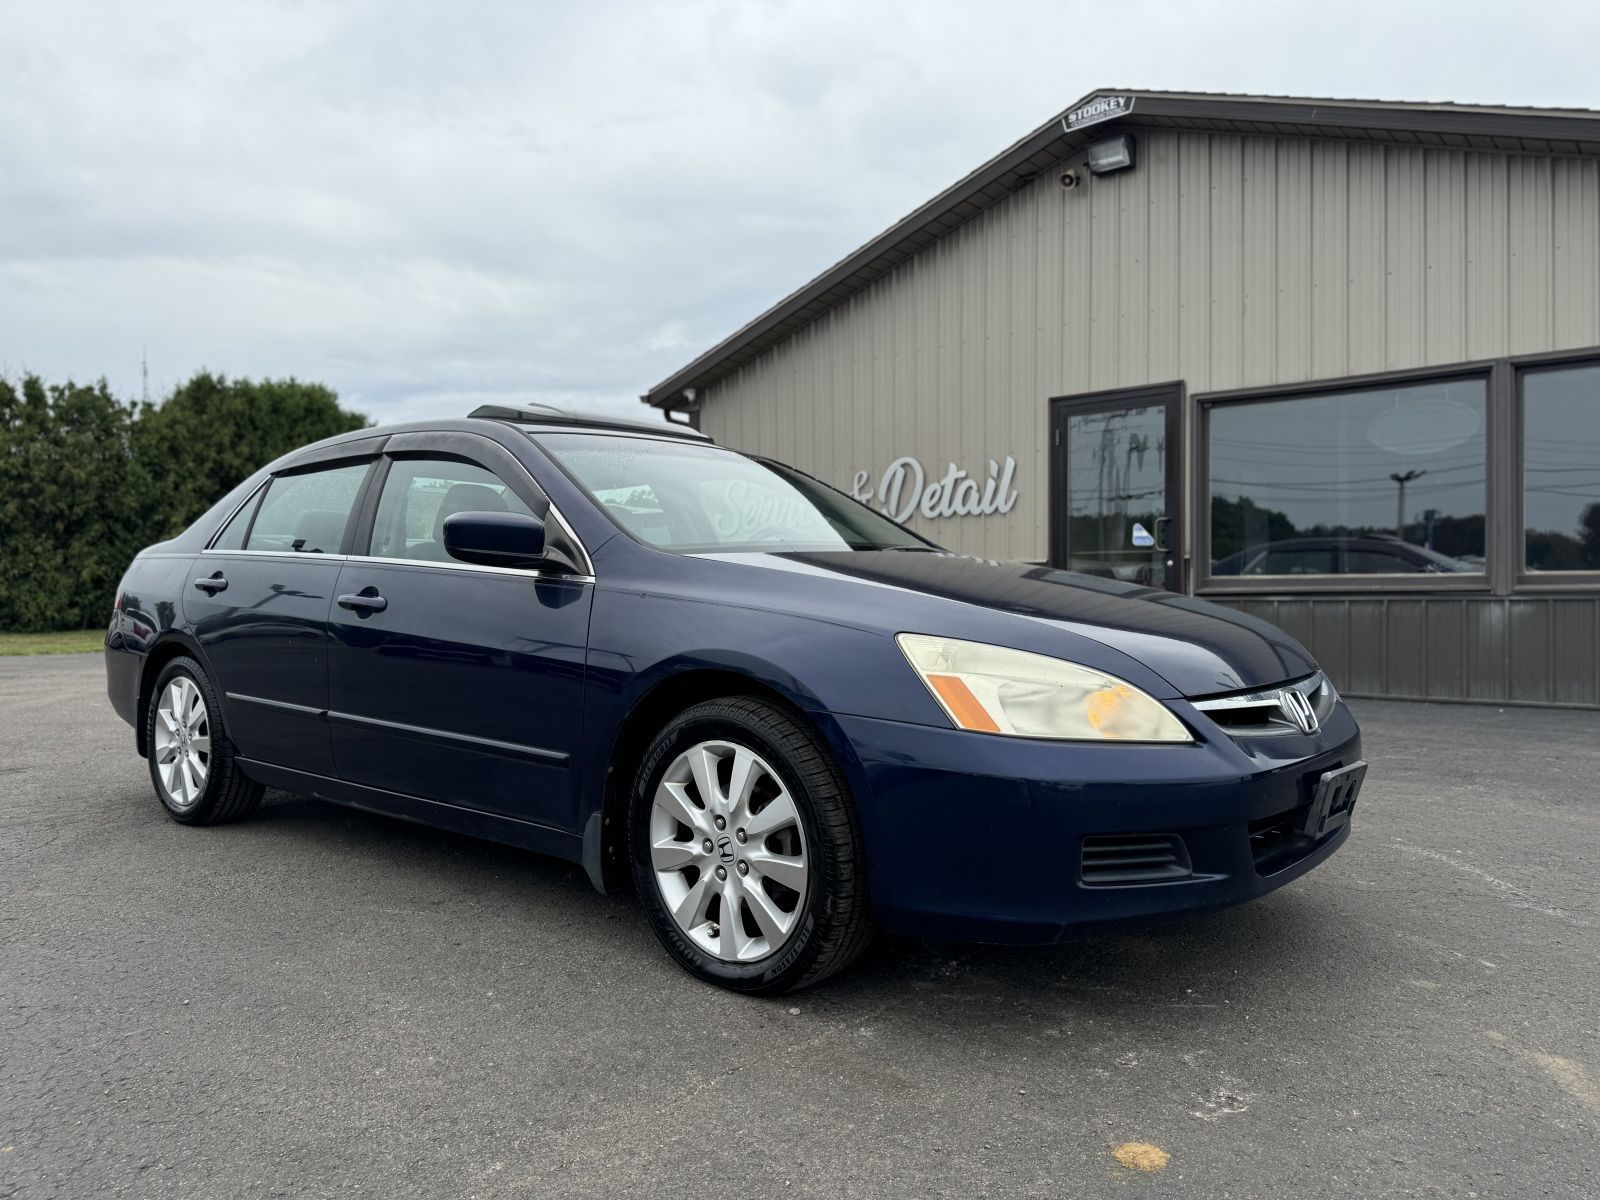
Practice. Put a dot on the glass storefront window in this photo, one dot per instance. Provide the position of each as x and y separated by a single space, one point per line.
1379 480
1561 469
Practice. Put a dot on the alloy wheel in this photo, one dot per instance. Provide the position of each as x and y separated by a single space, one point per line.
182 742
728 851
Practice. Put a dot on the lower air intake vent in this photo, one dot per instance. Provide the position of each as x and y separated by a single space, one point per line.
1116 860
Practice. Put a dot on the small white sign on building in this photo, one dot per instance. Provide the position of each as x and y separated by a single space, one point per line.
1101 108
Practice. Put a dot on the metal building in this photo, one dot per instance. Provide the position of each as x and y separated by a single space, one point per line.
1333 362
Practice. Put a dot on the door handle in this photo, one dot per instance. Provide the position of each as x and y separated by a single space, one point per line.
211 586
1159 531
366 600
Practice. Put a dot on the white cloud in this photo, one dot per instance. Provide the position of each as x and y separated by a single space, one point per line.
428 206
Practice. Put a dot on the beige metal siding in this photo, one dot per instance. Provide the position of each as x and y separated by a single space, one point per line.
1224 261
1521 649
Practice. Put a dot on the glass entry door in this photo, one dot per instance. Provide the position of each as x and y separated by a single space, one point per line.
1114 486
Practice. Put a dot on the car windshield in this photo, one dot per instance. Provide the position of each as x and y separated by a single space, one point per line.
694 499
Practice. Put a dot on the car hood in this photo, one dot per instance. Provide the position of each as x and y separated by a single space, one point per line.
1199 648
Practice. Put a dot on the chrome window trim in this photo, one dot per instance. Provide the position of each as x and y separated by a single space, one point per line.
429 564
561 520
301 555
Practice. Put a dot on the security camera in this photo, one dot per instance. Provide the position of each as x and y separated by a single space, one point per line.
1069 180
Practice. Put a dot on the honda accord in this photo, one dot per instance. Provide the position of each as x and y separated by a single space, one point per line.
783 718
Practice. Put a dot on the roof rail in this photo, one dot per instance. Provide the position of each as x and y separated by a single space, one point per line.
545 414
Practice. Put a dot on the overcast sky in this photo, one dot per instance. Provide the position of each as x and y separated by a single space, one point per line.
427 206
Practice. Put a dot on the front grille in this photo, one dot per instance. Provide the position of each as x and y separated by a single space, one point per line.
1116 860
1252 714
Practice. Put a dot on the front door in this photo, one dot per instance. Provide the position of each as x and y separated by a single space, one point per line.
456 683
1114 485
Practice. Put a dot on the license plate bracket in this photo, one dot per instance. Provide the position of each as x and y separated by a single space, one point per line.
1333 800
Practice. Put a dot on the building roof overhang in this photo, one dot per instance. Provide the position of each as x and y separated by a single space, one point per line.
1548 131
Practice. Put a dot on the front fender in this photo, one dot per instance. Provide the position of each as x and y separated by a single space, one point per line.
638 673
636 639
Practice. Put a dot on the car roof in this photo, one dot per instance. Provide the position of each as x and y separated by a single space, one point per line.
549 418
530 421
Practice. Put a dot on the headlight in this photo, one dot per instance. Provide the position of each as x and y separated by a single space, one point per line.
991 689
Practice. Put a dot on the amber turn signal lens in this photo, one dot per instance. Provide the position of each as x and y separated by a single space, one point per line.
963 706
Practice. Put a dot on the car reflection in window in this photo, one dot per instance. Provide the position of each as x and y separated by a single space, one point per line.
1373 555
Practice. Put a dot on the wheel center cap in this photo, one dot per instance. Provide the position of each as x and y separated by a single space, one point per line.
725 849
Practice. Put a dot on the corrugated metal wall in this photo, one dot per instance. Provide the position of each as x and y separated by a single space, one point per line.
1225 262
1511 649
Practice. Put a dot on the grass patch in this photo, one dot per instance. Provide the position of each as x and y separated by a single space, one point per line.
71 641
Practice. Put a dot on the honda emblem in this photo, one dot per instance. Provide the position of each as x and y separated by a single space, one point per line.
1297 710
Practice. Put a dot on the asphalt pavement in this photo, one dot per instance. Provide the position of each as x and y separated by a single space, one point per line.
319 1002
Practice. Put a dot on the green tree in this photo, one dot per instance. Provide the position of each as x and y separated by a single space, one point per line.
212 432
1589 526
87 481
70 516
1240 522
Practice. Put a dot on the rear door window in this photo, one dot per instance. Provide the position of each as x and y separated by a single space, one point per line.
232 535
306 513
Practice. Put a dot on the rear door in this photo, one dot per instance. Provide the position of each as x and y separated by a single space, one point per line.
458 683
258 605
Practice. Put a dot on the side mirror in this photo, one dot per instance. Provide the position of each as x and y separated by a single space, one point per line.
495 539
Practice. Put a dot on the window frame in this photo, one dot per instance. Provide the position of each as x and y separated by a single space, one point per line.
361 546
487 455
1540 582
294 472
377 451
1487 371
1174 395
364 457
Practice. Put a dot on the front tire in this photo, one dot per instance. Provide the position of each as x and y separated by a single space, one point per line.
192 763
746 849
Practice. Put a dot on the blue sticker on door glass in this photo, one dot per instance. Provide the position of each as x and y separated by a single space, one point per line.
1141 535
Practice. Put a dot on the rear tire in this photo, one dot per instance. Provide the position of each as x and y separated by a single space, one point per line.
192 762
761 886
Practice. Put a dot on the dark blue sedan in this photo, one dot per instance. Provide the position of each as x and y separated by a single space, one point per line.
785 719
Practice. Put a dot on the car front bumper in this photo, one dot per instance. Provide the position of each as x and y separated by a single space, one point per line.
974 837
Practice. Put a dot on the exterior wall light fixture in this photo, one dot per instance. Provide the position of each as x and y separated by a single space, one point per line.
1112 154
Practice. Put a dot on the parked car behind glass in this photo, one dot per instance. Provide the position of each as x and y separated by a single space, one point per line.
1371 555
